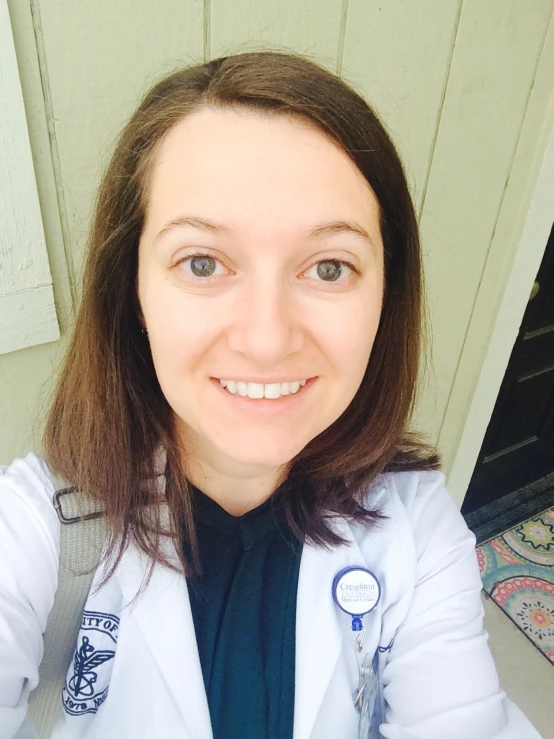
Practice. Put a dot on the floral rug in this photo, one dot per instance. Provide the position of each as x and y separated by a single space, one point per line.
517 569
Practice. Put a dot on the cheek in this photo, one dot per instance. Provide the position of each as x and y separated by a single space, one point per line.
348 333
181 329
180 341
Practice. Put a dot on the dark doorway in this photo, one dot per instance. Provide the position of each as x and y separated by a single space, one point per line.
518 448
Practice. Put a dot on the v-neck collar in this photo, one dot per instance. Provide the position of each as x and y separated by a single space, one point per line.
251 527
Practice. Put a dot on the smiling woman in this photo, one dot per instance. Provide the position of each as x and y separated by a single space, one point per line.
249 337
265 293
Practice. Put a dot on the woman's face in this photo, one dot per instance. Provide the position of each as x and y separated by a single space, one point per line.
283 291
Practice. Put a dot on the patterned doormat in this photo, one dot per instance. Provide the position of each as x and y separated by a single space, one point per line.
517 569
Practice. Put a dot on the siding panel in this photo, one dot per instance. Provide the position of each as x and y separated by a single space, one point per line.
398 54
492 73
100 57
311 27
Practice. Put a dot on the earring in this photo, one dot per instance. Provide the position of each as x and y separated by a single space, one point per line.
144 331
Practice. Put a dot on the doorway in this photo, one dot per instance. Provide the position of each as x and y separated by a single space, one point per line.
513 478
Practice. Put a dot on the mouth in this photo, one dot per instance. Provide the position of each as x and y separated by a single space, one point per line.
276 403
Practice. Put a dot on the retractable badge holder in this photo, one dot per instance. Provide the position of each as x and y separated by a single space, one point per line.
356 591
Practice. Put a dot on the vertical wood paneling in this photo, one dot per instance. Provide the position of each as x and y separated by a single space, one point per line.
398 54
26 377
311 27
99 58
492 71
517 247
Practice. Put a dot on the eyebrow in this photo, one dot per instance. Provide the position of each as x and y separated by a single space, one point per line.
319 231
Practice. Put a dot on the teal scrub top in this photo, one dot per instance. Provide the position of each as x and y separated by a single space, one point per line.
244 613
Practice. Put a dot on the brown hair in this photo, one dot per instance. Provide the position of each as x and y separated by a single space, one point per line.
109 415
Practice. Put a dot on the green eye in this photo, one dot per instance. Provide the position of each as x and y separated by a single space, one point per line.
329 271
203 266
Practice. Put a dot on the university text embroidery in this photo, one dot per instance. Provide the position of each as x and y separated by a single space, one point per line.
87 682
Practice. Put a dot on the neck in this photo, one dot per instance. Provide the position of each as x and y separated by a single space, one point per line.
236 492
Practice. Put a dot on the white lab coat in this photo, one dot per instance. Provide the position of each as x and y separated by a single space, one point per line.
439 678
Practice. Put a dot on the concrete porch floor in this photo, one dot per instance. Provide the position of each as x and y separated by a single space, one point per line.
525 674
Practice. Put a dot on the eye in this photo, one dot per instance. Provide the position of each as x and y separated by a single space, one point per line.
199 265
330 270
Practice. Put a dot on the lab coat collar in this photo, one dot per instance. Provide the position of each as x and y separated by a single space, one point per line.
321 627
164 616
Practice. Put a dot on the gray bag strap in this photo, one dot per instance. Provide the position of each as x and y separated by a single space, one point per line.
83 535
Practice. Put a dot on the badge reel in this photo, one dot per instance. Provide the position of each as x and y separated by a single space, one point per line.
356 591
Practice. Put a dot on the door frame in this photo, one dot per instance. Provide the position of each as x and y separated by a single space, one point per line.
525 265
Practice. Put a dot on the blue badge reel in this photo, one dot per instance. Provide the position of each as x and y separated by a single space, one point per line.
357 591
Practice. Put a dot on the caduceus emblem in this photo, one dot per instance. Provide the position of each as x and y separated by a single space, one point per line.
85 662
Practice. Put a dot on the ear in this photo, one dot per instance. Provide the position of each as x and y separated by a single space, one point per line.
138 307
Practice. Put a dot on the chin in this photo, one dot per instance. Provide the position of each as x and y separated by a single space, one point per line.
267 454
261 459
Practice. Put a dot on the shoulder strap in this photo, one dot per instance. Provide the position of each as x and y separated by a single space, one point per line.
82 538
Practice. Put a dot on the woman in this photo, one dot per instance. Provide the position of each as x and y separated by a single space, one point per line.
251 320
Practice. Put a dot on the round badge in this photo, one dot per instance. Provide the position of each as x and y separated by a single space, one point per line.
356 591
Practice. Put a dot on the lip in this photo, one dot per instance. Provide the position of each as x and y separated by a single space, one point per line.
264 406
270 381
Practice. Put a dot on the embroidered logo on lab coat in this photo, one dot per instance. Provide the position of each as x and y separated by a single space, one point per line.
87 681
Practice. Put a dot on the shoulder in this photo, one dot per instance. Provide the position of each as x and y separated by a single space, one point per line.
29 545
412 488
422 519
416 496
26 500
422 547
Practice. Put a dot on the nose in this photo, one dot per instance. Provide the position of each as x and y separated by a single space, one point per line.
266 324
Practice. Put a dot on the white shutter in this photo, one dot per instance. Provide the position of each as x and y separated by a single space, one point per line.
27 311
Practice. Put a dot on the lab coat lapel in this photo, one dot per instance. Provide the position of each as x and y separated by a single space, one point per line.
164 616
321 627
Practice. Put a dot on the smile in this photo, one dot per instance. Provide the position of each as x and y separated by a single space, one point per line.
256 390
274 401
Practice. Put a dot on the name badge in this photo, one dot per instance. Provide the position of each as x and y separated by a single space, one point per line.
356 591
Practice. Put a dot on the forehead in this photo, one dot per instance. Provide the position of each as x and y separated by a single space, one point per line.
245 166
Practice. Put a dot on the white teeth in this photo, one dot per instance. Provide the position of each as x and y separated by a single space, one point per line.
256 390
273 390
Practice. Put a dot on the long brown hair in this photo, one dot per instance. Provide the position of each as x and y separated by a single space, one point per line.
108 414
